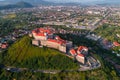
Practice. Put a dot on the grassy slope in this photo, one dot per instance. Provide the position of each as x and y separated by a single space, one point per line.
23 54
103 73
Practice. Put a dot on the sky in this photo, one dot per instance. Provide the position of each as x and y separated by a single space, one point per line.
81 1
74 0
69 0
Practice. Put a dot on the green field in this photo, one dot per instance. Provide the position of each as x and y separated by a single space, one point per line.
109 32
24 54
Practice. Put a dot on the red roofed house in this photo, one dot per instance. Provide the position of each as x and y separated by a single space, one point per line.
81 54
82 50
116 44
73 52
4 45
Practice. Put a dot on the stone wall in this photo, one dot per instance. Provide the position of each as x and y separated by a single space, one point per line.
80 59
35 42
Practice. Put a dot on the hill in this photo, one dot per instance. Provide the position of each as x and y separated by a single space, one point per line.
33 2
41 2
23 4
17 5
58 2
24 54
45 56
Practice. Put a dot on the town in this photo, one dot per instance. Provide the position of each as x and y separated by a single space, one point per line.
89 35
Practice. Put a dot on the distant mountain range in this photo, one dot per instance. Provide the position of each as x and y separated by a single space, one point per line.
33 2
8 4
36 2
20 4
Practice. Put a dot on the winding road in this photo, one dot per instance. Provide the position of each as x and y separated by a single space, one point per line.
82 68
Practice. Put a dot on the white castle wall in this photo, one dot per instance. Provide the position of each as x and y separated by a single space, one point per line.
62 48
52 45
35 42
43 42
80 59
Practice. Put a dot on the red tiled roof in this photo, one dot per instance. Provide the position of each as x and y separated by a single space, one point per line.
82 48
41 31
40 34
73 52
4 45
56 41
116 44
81 55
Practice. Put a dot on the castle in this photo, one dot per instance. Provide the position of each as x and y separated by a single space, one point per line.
46 37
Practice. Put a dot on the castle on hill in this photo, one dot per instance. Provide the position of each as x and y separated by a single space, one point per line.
46 37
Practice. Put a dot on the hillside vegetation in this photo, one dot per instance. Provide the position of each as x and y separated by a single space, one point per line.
24 54
111 32
106 72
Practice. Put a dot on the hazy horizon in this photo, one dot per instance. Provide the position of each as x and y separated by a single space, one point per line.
73 0
68 1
